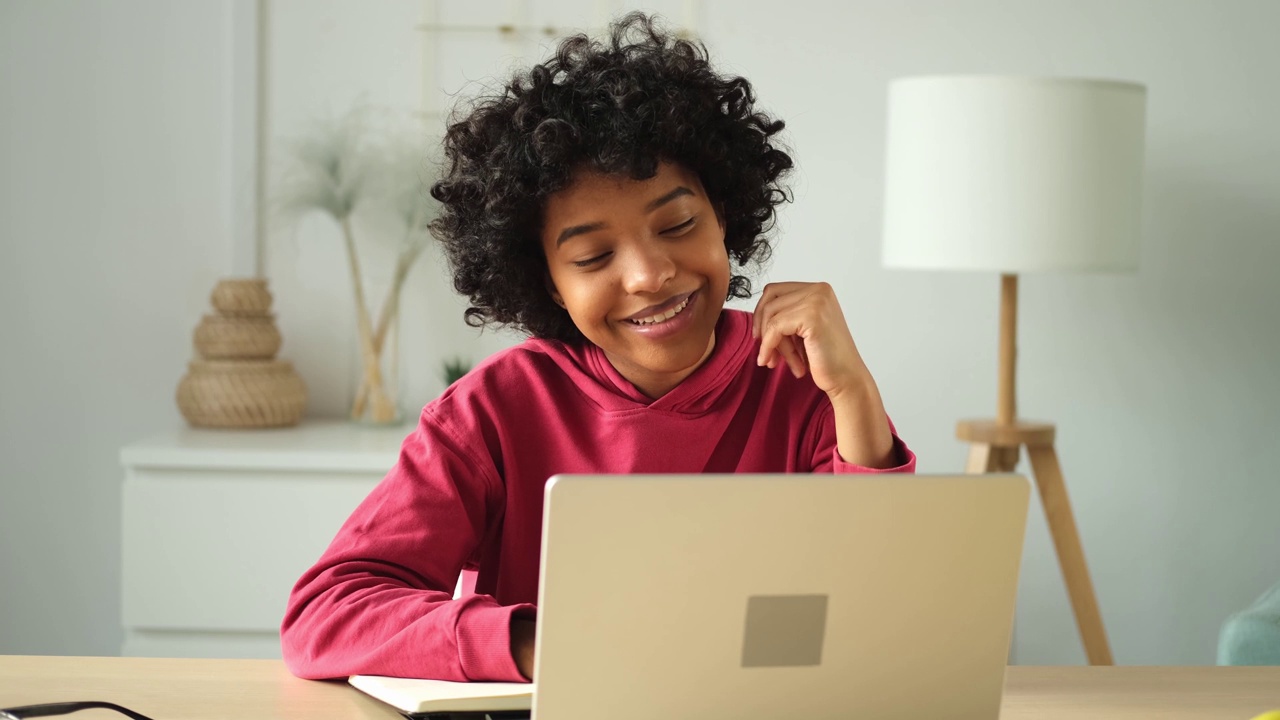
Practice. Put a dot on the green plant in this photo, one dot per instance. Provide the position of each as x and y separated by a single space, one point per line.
454 369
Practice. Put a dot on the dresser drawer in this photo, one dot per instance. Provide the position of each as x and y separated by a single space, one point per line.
219 550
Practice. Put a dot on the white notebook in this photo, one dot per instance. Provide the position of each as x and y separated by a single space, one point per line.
411 695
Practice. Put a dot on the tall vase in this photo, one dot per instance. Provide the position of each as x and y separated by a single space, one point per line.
376 386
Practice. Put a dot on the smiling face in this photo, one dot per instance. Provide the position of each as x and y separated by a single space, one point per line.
642 268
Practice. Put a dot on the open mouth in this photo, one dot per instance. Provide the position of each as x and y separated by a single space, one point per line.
665 316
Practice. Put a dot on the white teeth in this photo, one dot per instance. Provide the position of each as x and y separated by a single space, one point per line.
663 317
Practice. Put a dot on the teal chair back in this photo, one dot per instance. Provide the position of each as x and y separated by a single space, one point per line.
1252 636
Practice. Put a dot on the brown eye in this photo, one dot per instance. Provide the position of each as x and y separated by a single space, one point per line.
679 228
590 261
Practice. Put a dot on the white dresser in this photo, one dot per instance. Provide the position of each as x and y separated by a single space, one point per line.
218 524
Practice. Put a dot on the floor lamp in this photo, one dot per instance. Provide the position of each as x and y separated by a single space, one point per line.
1018 175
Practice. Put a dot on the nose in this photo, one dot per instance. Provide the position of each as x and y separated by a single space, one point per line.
648 266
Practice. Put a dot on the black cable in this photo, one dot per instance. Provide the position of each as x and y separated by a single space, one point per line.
63 708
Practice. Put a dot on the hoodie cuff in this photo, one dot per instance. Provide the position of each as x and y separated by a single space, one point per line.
484 641
905 461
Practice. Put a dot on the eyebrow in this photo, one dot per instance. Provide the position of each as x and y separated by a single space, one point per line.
576 230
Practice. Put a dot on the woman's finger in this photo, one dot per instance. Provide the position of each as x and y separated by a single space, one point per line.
767 317
769 297
780 341
789 348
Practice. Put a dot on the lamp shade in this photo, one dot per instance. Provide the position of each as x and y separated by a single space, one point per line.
1013 174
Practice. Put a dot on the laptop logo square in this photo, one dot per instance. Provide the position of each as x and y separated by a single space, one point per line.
784 630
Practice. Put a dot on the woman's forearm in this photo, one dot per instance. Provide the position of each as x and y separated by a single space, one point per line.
862 426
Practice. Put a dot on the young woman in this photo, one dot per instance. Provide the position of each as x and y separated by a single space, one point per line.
604 204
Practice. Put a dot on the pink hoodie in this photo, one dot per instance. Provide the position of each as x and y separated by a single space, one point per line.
468 491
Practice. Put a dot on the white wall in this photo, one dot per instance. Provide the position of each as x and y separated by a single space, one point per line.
118 212
114 223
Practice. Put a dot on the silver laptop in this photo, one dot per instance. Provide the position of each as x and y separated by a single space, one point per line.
770 596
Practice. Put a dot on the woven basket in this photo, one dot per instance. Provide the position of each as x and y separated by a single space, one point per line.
242 297
237 338
241 394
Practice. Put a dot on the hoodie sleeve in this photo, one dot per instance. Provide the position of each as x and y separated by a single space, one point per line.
380 599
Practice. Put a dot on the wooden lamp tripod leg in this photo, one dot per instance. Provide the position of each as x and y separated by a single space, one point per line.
988 458
980 457
1001 456
1066 540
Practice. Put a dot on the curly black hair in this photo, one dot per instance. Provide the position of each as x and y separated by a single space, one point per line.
618 108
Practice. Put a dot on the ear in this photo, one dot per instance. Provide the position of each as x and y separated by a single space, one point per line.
556 297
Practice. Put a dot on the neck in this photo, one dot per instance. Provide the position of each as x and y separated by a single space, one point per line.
654 384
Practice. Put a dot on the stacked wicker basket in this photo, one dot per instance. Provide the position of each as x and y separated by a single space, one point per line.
237 382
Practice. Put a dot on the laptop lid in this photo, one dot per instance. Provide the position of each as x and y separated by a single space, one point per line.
770 596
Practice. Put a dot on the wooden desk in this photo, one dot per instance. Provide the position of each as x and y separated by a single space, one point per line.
186 689
263 689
